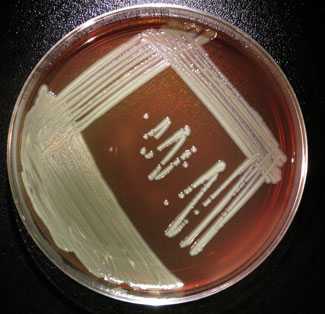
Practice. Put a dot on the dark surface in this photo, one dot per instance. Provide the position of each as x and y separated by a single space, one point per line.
291 32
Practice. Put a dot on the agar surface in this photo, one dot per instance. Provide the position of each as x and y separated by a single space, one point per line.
69 193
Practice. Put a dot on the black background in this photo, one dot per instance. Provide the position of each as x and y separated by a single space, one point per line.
293 33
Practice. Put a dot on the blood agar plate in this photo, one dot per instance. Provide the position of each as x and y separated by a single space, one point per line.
157 155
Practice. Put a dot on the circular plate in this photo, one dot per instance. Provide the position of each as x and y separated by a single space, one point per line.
157 155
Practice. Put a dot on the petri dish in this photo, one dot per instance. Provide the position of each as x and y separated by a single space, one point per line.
157 154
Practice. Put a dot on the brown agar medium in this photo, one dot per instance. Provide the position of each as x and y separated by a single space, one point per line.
159 156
